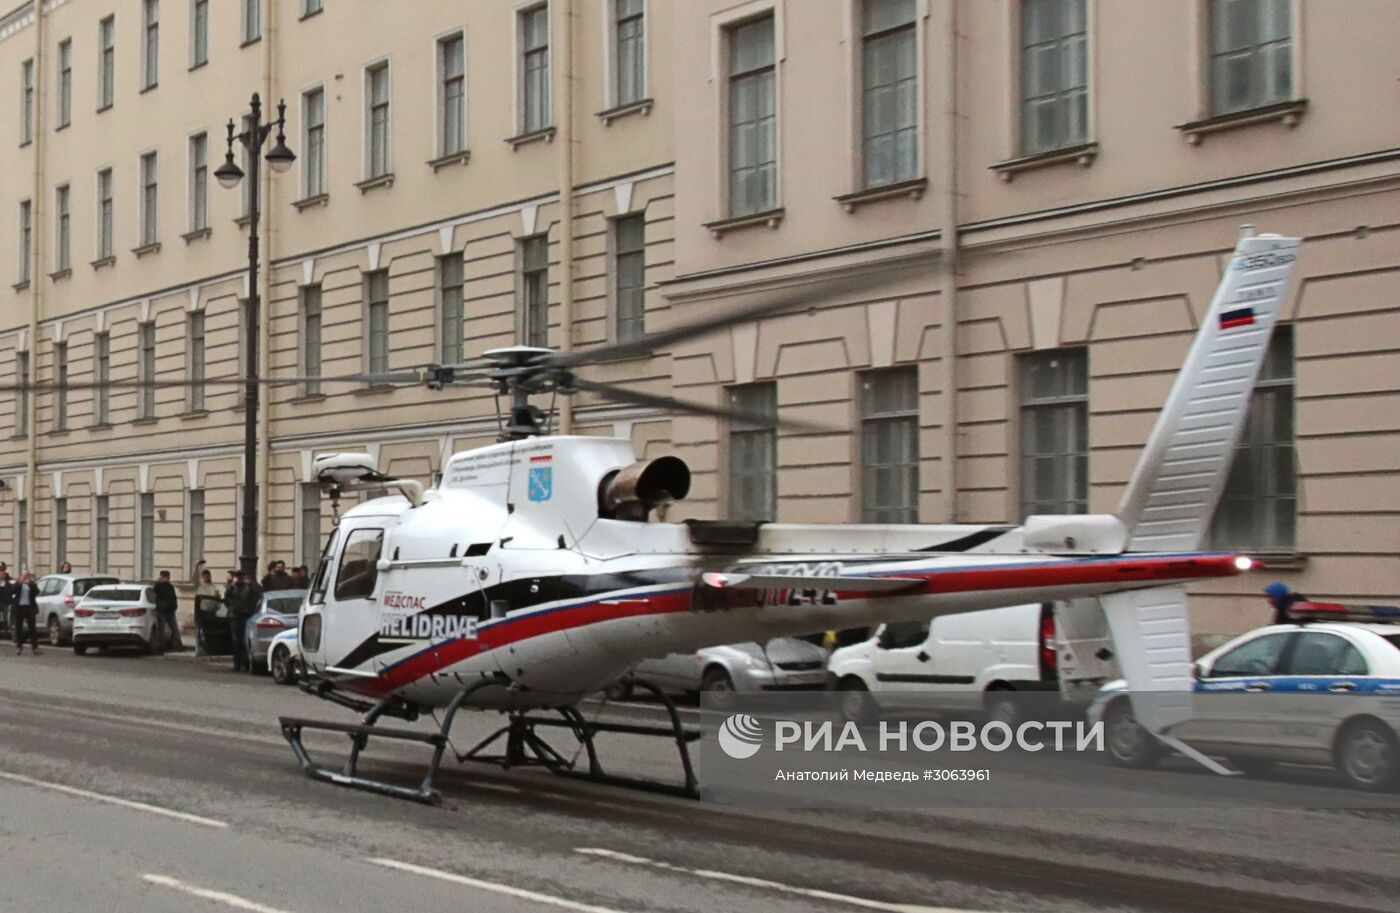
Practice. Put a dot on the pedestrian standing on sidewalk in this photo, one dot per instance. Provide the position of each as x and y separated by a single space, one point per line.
167 625
9 594
26 611
244 599
208 589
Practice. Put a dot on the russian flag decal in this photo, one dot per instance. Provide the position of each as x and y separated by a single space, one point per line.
1236 317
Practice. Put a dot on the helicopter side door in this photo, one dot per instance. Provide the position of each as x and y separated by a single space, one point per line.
341 611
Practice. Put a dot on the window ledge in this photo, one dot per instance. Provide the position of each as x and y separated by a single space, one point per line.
305 16
1082 154
199 234
58 432
307 398
250 42
60 274
374 390
1277 561
198 66
104 108
243 221
452 158
534 136
101 426
642 107
320 199
25 143
146 249
1288 113
383 180
63 126
192 414
21 436
769 217
103 262
20 285
145 420
914 190
151 88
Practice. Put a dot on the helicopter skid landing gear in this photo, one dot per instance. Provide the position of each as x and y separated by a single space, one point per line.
525 747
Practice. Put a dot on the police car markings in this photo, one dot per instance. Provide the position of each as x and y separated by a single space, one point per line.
752 882
223 897
492 886
112 800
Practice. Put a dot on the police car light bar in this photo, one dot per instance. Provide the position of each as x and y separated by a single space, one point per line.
1337 611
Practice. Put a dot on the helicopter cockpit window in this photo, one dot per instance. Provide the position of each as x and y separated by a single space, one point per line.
323 573
359 568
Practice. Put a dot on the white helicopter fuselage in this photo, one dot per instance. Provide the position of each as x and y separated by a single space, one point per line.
507 571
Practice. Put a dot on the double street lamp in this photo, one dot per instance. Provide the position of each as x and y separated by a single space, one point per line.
279 159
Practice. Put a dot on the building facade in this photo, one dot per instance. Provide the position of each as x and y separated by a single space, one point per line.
1009 216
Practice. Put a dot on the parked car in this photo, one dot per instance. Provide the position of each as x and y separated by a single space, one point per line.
284 658
115 615
279 612
966 663
783 663
1309 692
58 594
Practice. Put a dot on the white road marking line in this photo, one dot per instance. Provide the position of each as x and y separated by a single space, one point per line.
765 883
495 788
231 900
492 886
112 800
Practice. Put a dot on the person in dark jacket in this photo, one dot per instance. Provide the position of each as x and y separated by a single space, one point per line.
9 594
167 604
1282 599
277 577
244 599
26 611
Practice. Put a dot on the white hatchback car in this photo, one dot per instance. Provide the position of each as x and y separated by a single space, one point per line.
115 615
1316 691
58 594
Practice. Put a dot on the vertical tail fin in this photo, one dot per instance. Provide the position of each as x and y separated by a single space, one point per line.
1169 503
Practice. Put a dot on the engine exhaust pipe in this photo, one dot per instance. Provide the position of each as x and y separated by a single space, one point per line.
634 491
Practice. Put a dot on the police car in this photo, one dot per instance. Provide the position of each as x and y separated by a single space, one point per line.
1323 689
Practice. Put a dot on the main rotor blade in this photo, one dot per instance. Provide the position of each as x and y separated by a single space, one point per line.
637 398
381 378
663 338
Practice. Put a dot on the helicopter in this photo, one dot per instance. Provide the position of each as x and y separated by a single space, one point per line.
536 573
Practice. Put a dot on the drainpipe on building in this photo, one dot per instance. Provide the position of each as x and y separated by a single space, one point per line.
948 264
37 236
565 62
269 236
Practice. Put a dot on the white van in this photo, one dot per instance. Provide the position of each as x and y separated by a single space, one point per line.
976 661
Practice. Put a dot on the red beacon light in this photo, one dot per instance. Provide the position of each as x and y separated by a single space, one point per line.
1338 611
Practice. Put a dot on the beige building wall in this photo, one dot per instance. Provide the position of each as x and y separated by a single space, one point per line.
1113 245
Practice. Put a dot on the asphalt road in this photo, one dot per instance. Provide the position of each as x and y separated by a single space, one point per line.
164 784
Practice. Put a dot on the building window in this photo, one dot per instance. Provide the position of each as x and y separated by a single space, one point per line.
629 276
450 307
889 92
753 119
194 526
250 161
252 21
309 7
1251 54
1054 432
101 532
60 531
150 44
199 182
147 547
534 68
1054 75
22 532
245 332
377 318
452 94
26 239
102 372
26 102
104 213
65 82
377 120
146 370
629 46
1258 508
889 442
313 168
534 291
753 453
63 231
22 394
310 519
199 34
150 224
196 360
311 339
106 62
60 393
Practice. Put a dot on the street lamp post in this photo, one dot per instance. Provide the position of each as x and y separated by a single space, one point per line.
279 158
